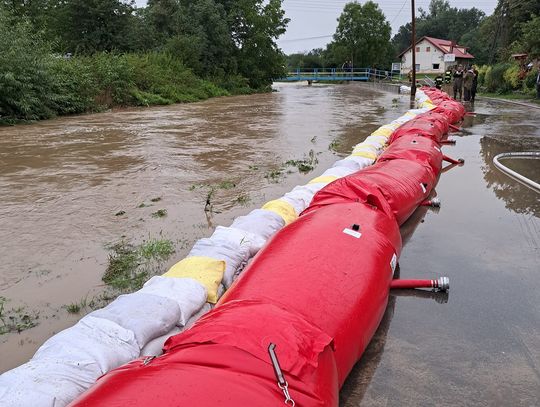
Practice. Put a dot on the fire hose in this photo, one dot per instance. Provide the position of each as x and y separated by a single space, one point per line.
517 176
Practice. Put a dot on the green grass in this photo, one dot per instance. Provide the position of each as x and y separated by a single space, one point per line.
129 265
158 249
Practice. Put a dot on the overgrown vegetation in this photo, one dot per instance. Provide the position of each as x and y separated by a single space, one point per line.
507 79
78 56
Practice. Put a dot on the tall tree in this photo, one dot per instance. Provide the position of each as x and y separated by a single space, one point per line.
87 26
362 35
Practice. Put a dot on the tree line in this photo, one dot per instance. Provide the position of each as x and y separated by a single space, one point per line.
363 34
72 56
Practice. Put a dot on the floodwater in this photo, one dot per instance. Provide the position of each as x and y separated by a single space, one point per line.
63 181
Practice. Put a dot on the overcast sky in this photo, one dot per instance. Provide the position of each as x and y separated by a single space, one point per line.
318 18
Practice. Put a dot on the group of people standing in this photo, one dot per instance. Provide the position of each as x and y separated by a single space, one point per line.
464 82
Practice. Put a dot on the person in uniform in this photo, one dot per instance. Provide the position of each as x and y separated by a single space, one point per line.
439 81
468 78
458 82
448 76
474 84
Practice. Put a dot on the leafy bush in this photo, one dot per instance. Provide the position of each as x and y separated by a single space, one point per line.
494 79
511 77
529 83
482 72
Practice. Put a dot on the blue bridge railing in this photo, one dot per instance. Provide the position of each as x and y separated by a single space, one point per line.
339 74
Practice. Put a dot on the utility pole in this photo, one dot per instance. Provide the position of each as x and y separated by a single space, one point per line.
413 49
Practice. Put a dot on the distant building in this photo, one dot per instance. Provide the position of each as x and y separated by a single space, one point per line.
434 55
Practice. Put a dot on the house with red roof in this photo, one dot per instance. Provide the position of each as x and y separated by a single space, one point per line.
434 55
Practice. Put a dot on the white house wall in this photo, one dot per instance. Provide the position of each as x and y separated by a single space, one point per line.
424 58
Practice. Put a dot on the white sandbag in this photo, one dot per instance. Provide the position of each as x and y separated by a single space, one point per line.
155 346
351 164
189 294
405 90
362 162
338 172
316 186
248 239
92 341
46 383
206 308
68 363
146 315
234 253
300 198
260 225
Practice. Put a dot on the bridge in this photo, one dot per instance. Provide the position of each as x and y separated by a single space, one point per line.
338 74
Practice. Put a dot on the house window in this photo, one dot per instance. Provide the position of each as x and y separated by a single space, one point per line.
428 49
417 67
417 49
435 66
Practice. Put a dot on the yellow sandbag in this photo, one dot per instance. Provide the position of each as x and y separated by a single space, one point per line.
326 179
283 209
382 131
205 270
364 150
428 104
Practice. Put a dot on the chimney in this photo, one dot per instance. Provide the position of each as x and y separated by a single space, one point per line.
452 45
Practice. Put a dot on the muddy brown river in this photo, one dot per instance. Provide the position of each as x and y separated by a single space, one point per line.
63 183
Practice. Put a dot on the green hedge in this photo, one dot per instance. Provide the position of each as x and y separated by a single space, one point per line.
506 77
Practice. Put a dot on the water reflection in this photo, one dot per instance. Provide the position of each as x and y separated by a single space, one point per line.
516 196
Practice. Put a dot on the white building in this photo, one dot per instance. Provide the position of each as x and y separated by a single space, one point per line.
434 55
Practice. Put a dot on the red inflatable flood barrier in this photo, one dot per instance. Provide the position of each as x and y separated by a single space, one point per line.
319 308
415 148
404 184
317 292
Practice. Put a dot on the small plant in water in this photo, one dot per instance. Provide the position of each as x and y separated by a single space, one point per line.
77 307
130 266
305 165
274 175
160 213
334 145
157 199
16 319
243 199
120 213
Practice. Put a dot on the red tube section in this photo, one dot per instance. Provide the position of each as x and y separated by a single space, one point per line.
442 284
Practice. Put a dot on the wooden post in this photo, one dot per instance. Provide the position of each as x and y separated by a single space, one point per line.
413 49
